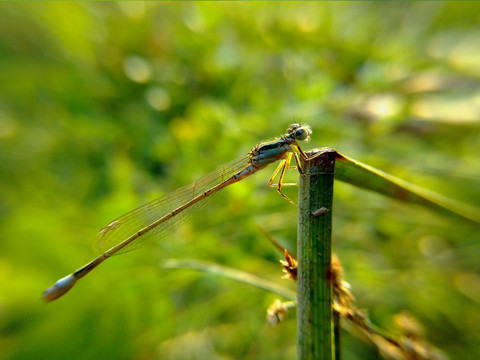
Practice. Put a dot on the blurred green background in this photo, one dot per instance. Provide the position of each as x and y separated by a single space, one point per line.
104 106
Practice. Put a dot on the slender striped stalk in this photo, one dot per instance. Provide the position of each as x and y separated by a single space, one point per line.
314 295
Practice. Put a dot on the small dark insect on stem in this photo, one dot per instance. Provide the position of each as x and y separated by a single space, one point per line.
319 212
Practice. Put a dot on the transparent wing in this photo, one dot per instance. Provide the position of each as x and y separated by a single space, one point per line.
135 220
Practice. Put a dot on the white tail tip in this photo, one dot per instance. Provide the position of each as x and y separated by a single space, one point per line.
59 288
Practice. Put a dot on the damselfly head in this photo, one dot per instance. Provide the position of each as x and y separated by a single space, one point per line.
299 132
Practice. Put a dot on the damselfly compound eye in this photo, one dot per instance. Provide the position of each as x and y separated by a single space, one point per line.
293 127
302 133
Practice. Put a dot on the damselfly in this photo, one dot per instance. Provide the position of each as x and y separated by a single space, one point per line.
158 217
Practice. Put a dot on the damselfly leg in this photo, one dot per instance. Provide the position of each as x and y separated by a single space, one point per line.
282 168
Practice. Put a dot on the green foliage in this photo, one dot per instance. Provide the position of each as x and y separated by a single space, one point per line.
104 106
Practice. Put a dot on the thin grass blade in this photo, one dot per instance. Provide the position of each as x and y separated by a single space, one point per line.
369 178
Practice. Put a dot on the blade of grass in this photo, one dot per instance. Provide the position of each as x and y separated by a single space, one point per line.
369 178
230 273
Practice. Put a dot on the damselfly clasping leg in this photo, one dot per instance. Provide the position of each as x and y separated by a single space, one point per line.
157 218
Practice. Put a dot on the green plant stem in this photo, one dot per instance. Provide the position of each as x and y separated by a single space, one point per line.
314 293
336 334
